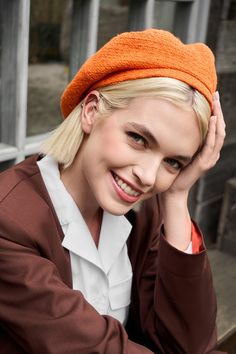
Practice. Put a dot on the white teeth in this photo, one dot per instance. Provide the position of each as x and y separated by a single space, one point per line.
127 189
119 181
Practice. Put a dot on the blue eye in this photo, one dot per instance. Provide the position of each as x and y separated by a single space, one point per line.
138 139
174 163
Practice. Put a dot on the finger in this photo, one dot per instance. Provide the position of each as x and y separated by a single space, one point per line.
206 158
219 141
218 111
209 144
220 125
214 156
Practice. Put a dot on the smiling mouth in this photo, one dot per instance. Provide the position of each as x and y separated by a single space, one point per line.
124 190
125 187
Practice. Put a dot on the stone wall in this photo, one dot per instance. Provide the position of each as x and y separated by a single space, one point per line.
227 225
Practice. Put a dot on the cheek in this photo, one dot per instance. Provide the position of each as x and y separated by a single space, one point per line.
115 149
105 151
164 181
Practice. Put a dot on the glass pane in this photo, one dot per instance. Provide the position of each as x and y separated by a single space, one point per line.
164 15
48 63
113 19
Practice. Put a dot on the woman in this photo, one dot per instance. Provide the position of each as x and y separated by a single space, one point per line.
105 209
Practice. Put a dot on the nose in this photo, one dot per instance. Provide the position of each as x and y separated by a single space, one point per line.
146 171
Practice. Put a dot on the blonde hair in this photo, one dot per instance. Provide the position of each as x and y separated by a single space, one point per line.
64 142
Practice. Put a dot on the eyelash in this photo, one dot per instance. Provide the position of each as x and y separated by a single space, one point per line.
174 164
136 138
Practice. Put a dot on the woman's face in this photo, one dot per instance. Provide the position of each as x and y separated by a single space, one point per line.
135 152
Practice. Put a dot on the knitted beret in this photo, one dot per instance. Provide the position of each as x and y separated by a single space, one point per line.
143 54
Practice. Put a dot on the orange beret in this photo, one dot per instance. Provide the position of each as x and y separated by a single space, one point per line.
143 54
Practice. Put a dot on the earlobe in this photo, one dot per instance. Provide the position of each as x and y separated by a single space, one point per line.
89 111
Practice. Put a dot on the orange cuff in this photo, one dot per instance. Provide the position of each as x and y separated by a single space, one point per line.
197 244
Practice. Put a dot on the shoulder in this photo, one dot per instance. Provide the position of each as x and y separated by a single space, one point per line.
25 206
17 176
22 185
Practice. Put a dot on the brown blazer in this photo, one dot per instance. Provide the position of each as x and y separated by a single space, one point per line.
173 307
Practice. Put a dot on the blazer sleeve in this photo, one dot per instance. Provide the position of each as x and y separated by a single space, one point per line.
39 313
173 308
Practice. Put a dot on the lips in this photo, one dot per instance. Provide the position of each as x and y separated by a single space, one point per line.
125 191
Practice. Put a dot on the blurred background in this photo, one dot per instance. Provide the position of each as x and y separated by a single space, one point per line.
44 42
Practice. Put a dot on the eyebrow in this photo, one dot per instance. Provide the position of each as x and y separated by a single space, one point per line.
144 131
148 135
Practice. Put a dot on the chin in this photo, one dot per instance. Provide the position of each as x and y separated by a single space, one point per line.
117 211
116 208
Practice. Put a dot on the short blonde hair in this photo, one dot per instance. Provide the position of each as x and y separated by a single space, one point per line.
64 142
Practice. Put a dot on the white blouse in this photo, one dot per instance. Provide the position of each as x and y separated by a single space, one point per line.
103 274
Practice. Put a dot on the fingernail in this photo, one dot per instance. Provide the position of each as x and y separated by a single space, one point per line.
216 96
